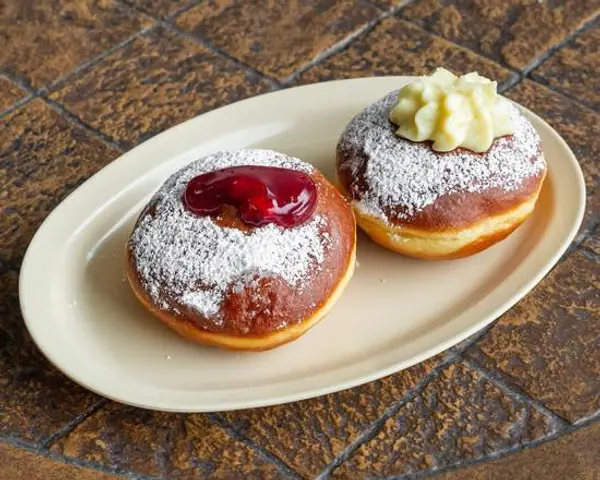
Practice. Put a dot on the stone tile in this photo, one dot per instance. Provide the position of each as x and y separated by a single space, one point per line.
155 82
591 221
575 456
164 445
308 435
36 400
573 69
578 125
549 343
42 158
279 37
387 4
19 464
48 39
396 47
459 416
10 93
592 242
160 8
514 32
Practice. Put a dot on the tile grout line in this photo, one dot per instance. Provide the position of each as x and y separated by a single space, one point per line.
508 387
168 24
11 108
527 72
340 46
536 62
217 419
71 461
476 337
590 254
542 81
275 83
179 11
499 454
192 4
72 118
395 8
516 76
513 72
371 431
85 65
63 112
594 222
38 92
369 3
75 120
514 80
32 92
73 424
576 245
561 425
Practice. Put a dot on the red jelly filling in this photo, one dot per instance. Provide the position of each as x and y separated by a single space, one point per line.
261 194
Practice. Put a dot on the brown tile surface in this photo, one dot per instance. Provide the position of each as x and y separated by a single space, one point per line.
573 68
512 31
575 456
42 158
45 40
387 4
308 435
576 124
16 464
10 93
549 343
159 8
164 445
459 416
157 81
279 37
395 47
591 217
36 401
592 242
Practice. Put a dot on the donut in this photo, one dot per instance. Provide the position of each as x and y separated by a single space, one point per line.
216 266
432 204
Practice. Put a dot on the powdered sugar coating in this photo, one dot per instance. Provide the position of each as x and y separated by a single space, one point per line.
404 177
195 261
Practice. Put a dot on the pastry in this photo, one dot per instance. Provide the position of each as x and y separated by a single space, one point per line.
244 250
443 168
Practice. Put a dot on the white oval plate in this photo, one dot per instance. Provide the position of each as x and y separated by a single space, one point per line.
395 313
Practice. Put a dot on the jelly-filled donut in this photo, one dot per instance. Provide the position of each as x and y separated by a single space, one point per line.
445 203
244 250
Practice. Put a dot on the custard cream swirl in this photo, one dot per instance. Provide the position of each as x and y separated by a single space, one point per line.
452 112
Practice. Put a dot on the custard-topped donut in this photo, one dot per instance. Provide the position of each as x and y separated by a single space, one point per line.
228 277
433 204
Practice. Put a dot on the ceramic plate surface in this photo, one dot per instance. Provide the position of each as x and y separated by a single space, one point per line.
395 313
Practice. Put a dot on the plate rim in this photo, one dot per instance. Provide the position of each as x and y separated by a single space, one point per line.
27 267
